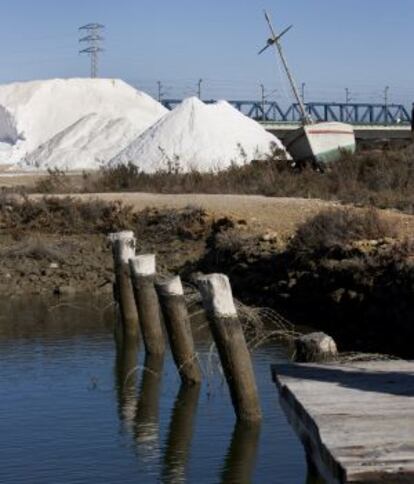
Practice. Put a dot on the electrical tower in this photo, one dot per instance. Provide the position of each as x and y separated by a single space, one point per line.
94 40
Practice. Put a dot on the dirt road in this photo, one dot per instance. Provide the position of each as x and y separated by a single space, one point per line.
282 215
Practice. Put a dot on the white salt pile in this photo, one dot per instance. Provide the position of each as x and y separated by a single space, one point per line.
201 137
32 113
87 144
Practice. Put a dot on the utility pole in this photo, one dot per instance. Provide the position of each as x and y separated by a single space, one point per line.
263 96
160 91
386 91
348 99
200 81
94 40
303 91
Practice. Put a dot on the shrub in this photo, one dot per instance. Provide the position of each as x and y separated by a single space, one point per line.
64 215
57 181
190 222
337 228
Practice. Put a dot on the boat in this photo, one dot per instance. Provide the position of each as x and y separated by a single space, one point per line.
321 142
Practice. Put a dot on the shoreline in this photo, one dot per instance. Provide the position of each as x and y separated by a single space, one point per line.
356 294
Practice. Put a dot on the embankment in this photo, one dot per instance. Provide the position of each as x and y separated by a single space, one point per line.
358 289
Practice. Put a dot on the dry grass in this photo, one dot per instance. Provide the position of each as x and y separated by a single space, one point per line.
379 178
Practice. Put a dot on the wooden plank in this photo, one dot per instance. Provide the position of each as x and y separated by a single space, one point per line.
355 420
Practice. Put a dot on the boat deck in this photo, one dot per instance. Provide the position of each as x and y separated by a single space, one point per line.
356 420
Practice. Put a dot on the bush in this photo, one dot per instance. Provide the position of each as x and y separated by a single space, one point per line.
189 223
64 215
337 228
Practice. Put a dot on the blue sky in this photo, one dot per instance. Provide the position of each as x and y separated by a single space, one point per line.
360 44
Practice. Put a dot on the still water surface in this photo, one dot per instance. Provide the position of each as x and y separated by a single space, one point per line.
72 410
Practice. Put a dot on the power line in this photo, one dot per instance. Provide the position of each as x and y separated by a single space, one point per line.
94 40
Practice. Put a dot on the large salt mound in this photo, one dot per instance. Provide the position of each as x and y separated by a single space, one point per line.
86 144
31 113
201 137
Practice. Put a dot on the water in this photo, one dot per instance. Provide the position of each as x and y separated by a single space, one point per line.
72 411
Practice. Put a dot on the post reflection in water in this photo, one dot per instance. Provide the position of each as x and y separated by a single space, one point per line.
241 456
180 434
146 427
313 476
126 380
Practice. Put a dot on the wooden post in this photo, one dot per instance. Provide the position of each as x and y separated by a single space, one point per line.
143 277
177 322
231 345
123 248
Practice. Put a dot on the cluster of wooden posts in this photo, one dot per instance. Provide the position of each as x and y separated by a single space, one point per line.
146 303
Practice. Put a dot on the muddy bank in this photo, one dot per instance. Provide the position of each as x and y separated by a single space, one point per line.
360 293
60 247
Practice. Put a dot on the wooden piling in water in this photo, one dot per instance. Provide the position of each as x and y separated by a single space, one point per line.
177 322
231 345
123 248
143 270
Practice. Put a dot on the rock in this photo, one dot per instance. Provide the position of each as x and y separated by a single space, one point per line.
292 283
54 265
353 295
338 295
315 347
269 236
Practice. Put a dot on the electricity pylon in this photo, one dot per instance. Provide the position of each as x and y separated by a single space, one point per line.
94 39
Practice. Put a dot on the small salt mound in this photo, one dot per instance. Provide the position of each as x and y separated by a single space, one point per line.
33 112
199 136
85 145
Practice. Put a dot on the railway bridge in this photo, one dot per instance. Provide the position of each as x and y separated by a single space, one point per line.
372 122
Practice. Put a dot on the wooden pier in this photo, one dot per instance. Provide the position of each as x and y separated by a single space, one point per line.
356 420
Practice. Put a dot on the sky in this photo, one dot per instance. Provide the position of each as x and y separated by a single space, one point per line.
362 45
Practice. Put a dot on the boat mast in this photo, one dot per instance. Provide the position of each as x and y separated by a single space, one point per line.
276 41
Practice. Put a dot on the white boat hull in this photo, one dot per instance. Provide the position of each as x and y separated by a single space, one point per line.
322 142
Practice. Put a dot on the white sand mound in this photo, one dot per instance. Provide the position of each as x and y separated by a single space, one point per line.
31 113
86 144
199 136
